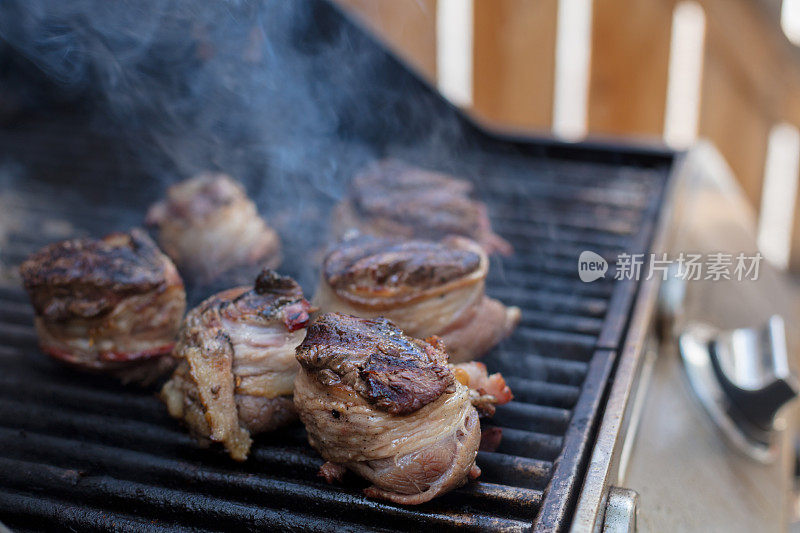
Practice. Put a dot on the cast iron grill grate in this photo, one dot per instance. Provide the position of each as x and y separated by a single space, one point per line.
83 452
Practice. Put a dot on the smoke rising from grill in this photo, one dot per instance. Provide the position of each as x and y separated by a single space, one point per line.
268 92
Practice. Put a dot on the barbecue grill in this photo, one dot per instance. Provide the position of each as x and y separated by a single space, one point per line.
83 452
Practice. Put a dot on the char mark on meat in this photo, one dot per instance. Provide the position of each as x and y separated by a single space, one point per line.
392 371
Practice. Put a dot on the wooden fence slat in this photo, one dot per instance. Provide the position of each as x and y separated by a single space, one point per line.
737 127
407 26
630 64
514 62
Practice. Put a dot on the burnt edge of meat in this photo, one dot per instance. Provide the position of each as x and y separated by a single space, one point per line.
374 262
270 282
273 297
392 371
89 277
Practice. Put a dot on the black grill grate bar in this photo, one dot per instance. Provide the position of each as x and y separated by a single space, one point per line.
13 311
14 295
38 206
310 497
571 229
515 470
560 250
79 397
542 392
25 412
525 416
17 333
560 322
518 231
529 444
637 182
566 268
541 300
565 192
539 368
562 493
573 347
570 214
558 285
153 502
564 207
24 512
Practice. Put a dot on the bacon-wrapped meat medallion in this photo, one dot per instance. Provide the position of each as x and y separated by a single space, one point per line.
426 288
209 227
113 304
392 198
237 362
387 407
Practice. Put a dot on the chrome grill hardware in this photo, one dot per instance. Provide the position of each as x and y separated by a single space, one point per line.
621 509
741 378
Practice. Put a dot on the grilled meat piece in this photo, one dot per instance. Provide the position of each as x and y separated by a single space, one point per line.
237 362
426 288
209 227
387 407
391 198
112 305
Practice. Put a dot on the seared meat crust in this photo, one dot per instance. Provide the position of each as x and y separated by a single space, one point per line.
390 370
88 278
392 198
237 364
395 267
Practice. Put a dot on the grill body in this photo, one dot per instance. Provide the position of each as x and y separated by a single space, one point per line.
81 451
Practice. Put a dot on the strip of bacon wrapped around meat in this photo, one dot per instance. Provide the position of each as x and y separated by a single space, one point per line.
426 288
387 407
111 305
237 362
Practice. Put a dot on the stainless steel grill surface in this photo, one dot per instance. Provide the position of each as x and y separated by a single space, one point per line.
82 452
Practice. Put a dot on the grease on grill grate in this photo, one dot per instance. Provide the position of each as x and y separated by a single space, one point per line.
81 451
